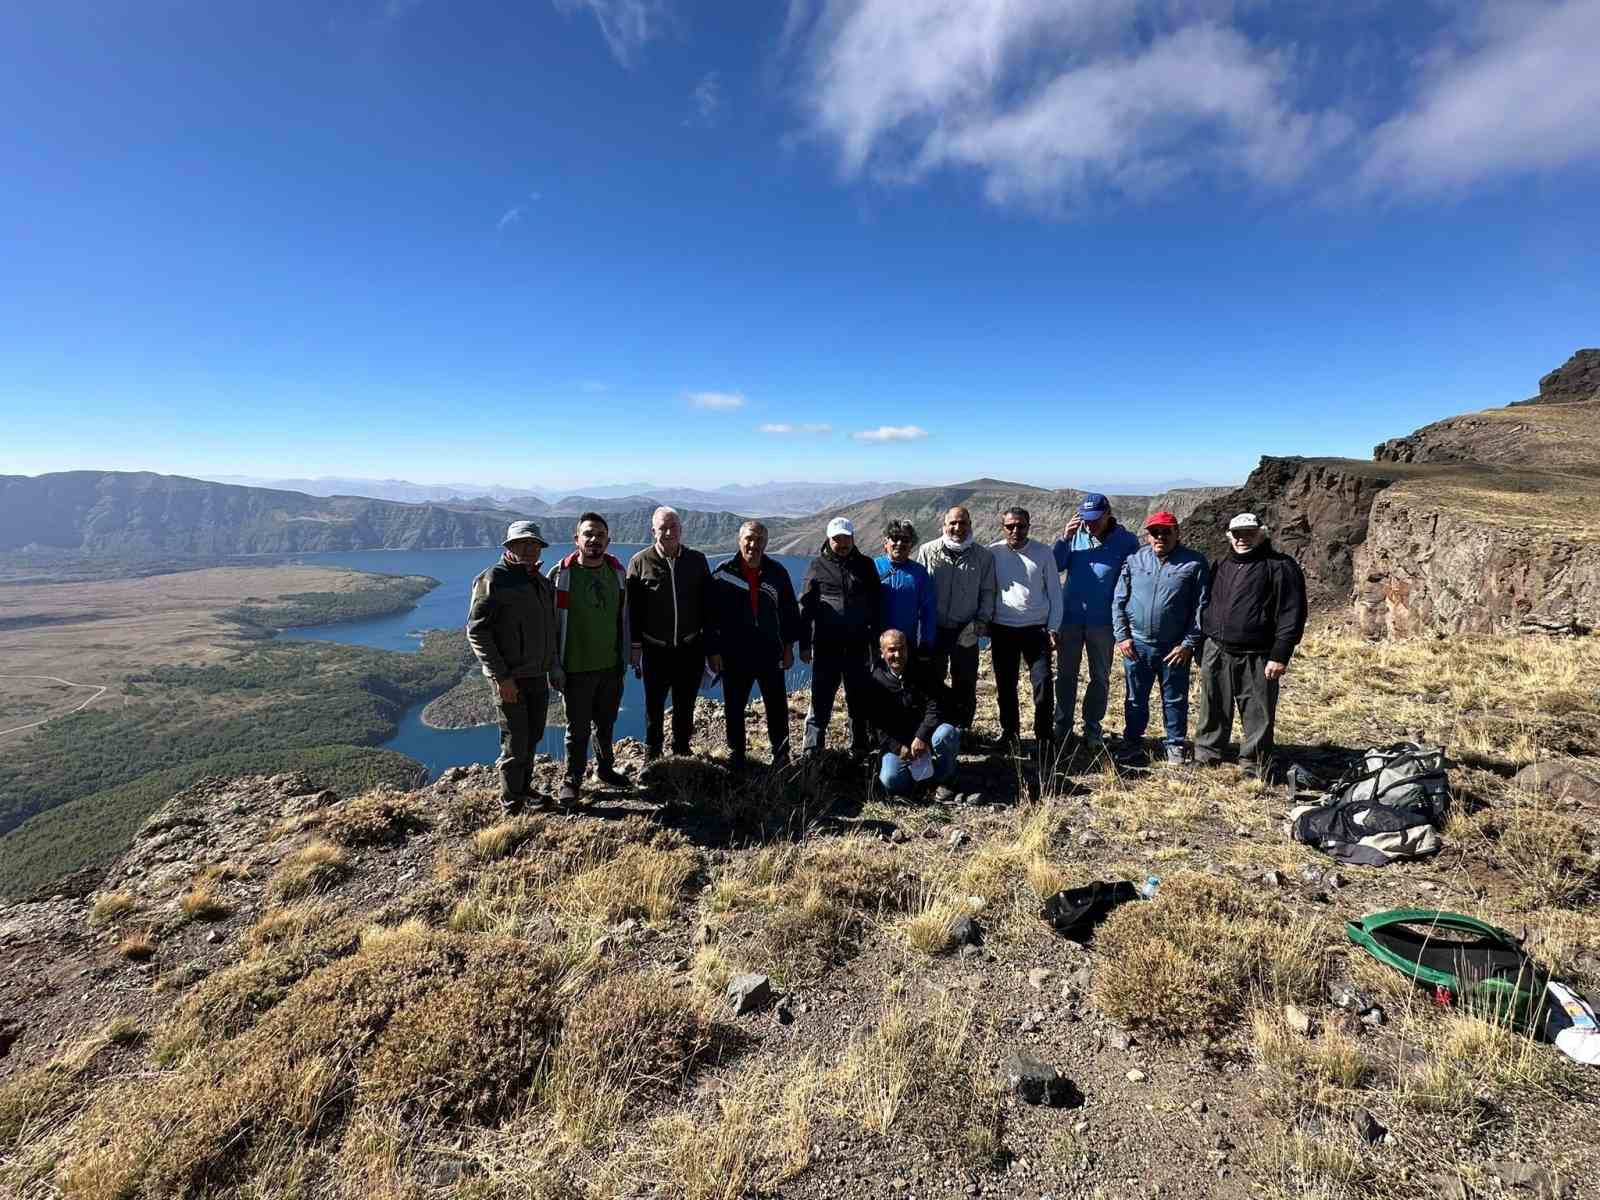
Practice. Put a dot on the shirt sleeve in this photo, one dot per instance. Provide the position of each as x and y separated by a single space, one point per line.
1194 639
1052 595
1121 626
480 631
1062 553
987 590
928 624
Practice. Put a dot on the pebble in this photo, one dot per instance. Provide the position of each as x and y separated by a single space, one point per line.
1136 1076
1122 1040
1297 1019
957 839
1038 977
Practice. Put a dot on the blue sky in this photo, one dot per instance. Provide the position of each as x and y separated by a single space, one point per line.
553 243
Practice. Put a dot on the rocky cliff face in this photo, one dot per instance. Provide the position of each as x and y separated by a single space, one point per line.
1576 379
1428 568
1314 508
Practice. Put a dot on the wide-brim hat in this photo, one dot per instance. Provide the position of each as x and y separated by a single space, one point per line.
519 531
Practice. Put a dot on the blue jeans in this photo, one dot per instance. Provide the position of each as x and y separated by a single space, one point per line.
1140 672
1094 642
895 775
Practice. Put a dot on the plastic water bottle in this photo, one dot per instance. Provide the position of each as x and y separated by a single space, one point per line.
1149 887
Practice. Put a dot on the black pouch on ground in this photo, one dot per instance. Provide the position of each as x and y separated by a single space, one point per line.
1076 911
1388 807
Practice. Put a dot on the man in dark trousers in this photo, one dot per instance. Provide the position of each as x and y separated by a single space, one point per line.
907 714
667 584
839 615
1254 617
752 622
511 627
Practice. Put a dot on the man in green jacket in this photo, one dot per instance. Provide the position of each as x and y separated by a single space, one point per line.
511 627
592 633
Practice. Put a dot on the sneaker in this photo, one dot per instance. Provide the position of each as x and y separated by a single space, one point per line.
612 777
1175 755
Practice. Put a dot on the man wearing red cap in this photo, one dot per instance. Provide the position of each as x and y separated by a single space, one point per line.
1155 615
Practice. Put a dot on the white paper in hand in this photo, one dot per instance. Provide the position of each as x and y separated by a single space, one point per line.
921 767
709 679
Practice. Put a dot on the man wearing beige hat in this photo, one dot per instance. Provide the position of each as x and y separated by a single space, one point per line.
511 627
1254 617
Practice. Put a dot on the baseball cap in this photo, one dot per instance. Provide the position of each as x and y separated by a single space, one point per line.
841 525
1245 521
518 530
1093 506
1161 518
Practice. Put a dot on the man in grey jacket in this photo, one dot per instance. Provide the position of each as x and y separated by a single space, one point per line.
1155 615
964 591
511 627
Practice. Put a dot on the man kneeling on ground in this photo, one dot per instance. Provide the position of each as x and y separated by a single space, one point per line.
907 716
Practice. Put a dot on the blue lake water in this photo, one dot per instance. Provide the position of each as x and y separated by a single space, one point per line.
446 608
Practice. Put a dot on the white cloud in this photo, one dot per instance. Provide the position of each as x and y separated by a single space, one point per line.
1516 88
891 433
707 97
783 429
510 217
627 25
718 401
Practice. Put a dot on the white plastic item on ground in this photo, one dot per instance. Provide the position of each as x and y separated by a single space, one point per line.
1570 1023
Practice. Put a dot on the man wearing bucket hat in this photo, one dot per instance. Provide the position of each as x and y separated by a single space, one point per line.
1156 618
511 627
1254 617
839 618
1091 551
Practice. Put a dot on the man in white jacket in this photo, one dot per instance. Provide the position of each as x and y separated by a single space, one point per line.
1027 613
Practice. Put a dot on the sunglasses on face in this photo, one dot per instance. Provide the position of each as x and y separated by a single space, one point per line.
1161 531
1015 526
899 541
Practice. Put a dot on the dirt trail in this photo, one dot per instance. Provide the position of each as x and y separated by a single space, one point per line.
99 690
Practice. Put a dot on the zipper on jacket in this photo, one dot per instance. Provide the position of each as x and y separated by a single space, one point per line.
672 579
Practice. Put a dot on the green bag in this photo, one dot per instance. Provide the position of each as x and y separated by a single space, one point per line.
1466 961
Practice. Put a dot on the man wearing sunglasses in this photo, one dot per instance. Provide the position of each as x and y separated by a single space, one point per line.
1027 613
906 601
1253 619
1156 618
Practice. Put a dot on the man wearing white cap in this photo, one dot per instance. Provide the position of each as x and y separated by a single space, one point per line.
512 629
1254 617
839 617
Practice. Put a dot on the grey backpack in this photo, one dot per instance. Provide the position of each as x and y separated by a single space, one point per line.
1389 806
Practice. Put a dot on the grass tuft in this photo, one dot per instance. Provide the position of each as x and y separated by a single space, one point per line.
379 818
315 867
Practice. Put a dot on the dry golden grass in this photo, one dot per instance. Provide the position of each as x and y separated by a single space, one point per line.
123 1031
290 926
1017 871
1187 963
201 903
138 946
928 928
1467 1056
379 818
709 972
915 1074
498 841
647 882
315 867
1320 1070
111 907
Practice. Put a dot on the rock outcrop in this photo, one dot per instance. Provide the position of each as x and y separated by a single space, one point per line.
1577 379
1426 567
1314 508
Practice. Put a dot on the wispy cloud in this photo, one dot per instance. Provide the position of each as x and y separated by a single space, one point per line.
1514 88
716 401
510 217
891 433
707 98
627 25
784 429
1051 103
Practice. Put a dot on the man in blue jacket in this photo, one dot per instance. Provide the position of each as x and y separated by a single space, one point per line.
1155 616
906 600
1091 551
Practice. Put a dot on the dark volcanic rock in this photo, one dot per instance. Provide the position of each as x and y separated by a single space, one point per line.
1576 379
1039 1083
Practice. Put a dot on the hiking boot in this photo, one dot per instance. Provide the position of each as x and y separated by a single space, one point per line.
780 760
945 794
1175 755
512 806
651 753
571 792
738 764
611 777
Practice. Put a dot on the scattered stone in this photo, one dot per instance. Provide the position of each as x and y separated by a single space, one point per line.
1122 1040
453 774
1136 1076
1038 977
705 935
10 1031
1310 874
957 839
785 1014
964 931
1272 878
747 993
1525 1175
1297 1019
1241 831
1368 1126
1373 1016
626 927
1079 981
1334 880
602 946
899 836
1039 1083
931 831
1033 1022
1090 838
443 1172
214 936
971 951
1561 780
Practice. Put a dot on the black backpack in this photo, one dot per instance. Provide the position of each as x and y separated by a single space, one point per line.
1387 807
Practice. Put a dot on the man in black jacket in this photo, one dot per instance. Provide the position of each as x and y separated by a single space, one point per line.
907 716
1254 618
752 622
838 625
511 627
667 585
